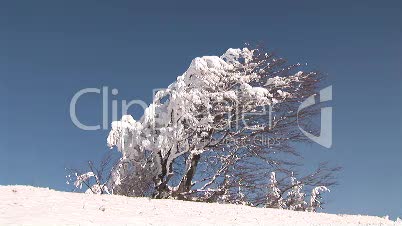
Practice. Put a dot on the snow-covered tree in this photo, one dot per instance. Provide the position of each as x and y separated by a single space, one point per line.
206 131
316 198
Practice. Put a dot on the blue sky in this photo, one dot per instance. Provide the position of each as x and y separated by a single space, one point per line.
51 49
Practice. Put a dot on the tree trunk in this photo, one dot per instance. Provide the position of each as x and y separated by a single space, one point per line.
185 183
161 188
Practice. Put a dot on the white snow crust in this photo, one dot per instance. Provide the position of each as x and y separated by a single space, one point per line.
42 206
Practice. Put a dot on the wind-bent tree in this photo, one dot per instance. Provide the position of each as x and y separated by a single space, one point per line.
219 131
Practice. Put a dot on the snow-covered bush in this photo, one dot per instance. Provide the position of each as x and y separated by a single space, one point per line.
204 137
316 198
95 187
94 180
291 195
274 199
295 196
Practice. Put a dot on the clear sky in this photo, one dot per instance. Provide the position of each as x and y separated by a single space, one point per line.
51 49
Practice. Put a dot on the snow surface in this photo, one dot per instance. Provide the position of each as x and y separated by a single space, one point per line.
42 206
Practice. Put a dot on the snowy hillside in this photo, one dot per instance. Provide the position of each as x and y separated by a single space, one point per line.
38 206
